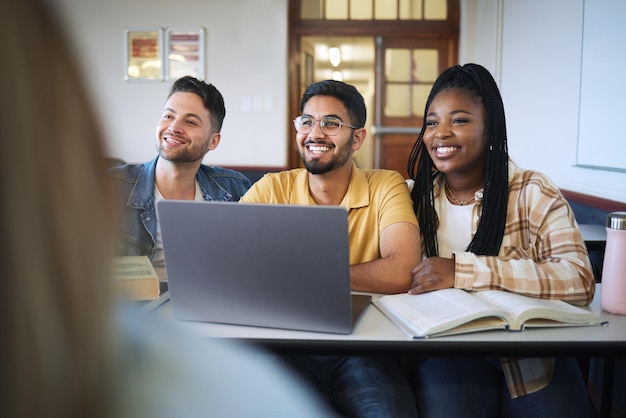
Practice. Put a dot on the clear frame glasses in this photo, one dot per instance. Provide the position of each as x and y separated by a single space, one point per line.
330 125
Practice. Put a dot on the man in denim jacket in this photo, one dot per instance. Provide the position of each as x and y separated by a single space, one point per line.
189 128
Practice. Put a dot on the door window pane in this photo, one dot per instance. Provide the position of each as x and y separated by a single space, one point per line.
386 10
397 65
337 9
425 65
435 10
411 9
420 95
361 9
397 99
373 10
311 9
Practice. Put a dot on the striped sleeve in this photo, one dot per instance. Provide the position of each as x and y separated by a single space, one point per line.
543 253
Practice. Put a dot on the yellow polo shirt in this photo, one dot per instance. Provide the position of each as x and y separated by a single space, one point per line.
375 199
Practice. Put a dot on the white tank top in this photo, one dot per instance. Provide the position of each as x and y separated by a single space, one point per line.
455 227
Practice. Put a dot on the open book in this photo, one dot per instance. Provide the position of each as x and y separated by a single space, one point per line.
456 311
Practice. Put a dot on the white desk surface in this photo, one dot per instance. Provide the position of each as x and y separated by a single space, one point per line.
374 333
593 233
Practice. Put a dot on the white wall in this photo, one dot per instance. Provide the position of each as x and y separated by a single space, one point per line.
540 83
533 48
603 63
246 50
480 37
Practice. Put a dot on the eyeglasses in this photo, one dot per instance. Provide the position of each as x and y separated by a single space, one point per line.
330 125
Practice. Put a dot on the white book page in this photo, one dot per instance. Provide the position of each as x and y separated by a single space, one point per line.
433 312
526 307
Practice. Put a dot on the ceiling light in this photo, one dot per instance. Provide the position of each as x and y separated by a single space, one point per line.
334 54
337 76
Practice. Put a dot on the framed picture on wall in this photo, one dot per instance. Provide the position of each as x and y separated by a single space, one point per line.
143 51
185 53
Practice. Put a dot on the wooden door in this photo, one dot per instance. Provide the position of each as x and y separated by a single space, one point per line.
415 41
406 70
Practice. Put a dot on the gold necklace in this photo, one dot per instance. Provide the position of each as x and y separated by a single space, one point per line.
454 200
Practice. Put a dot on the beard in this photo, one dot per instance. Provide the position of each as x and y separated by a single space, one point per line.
316 166
182 156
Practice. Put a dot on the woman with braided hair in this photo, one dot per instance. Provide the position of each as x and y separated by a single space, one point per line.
489 224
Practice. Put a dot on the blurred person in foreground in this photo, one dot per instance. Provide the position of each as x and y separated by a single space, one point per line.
67 351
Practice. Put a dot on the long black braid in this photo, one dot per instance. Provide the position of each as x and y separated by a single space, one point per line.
489 234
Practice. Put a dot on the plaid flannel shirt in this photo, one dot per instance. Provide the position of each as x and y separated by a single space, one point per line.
542 255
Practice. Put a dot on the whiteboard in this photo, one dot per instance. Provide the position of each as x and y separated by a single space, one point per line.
602 120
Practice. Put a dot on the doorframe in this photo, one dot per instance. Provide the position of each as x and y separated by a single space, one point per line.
297 28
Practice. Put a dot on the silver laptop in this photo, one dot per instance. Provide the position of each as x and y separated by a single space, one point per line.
278 266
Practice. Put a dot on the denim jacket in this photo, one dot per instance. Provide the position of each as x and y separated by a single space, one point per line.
134 185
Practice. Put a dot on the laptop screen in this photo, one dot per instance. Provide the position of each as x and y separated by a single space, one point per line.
281 266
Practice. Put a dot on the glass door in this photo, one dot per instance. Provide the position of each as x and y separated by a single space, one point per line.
405 72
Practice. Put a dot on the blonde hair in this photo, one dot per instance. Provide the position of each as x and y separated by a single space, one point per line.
54 223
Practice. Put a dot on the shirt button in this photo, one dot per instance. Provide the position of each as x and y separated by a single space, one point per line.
571 290
476 217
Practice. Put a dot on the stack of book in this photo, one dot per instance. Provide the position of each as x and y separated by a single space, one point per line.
134 278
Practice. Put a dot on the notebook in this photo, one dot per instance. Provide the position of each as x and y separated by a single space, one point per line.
277 266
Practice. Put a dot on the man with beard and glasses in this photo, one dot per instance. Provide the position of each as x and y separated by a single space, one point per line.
384 238
189 127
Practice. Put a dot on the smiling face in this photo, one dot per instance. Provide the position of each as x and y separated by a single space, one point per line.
321 153
184 132
455 133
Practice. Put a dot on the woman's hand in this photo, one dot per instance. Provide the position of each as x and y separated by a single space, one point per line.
433 273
